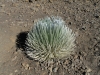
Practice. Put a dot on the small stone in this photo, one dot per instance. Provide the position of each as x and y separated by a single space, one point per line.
29 68
66 62
42 68
87 73
14 58
84 53
26 66
65 67
49 73
11 74
55 69
81 58
34 9
16 71
2 5
89 70
50 62
37 5
76 56
96 49
98 38
51 1
25 25
50 68
15 53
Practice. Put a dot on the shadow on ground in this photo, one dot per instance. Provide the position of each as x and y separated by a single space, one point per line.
20 41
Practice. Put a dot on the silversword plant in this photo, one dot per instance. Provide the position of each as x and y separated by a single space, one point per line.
50 38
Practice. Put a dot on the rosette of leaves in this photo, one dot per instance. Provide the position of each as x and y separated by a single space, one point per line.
50 38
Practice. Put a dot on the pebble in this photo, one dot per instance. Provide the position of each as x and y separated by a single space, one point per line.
77 61
16 71
38 5
76 56
51 1
49 73
66 62
81 58
50 62
26 66
96 49
55 69
50 68
25 25
2 5
42 68
98 38
87 73
11 74
65 67
89 70
14 58
34 9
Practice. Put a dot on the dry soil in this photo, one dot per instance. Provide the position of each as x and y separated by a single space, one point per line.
17 17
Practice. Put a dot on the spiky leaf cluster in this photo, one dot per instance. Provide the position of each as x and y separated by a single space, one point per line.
50 38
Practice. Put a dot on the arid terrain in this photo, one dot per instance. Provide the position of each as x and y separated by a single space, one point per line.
17 17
